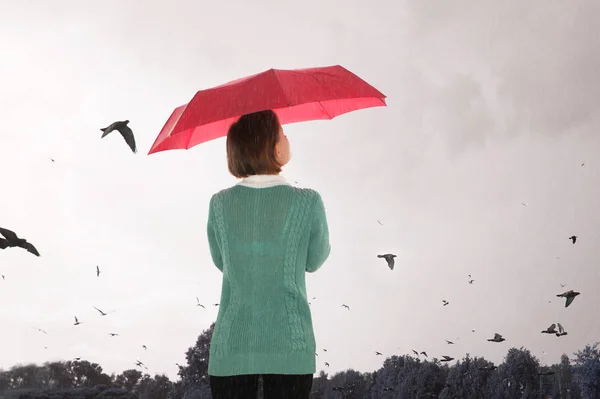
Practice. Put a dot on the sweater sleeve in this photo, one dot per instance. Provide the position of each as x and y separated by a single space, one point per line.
211 230
318 245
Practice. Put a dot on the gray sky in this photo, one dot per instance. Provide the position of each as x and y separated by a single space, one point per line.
490 104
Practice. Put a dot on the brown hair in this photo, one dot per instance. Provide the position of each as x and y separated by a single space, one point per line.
251 144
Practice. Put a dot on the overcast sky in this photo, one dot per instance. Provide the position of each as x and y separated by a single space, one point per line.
490 104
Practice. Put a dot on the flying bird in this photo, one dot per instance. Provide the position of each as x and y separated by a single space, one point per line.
40 330
198 303
77 322
138 363
390 260
144 346
378 353
113 334
345 306
326 364
101 312
550 330
446 359
523 203
11 240
379 222
324 350
125 131
215 304
573 238
497 338
424 353
561 331
415 352
562 285
569 295
445 302
450 342
51 159
97 271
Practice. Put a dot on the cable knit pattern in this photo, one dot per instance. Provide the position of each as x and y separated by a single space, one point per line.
264 238
234 300
299 222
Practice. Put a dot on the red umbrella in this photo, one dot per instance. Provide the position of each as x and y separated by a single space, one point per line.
295 95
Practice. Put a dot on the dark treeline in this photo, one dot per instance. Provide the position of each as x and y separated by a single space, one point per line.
519 376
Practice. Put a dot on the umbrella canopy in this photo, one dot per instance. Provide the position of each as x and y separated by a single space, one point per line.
294 95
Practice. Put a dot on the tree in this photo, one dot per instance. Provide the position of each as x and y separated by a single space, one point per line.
517 377
86 374
128 379
194 375
157 387
587 370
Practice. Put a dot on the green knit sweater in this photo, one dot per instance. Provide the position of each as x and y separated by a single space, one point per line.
264 240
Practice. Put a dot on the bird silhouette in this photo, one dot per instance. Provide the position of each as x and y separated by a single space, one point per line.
125 131
97 271
415 352
51 159
550 330
198 303
497 338
523 203
446 359
445 302
40 330
77 322
424 353
450 342
138 363
569 295
11 240
573 238
215 304
378 353
101 312
144 346
379 222
390 260
345 306
113 334
562 285
561 331
324 350
326 364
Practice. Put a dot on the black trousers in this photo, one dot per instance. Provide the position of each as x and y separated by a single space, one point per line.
275 386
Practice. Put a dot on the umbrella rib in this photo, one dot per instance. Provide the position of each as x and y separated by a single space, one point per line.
287 100
322 107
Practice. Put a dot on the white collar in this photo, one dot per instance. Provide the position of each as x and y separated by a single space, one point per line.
261 181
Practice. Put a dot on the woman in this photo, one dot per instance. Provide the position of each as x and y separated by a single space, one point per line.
264 235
